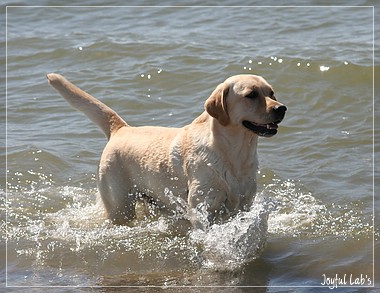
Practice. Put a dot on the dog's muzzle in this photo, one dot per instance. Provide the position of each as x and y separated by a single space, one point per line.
268 129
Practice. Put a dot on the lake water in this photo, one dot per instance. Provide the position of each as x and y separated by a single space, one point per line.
156 66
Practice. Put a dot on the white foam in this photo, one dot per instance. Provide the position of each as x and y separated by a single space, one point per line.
240 240
77 225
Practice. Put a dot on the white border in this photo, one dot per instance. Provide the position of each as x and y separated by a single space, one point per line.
188 6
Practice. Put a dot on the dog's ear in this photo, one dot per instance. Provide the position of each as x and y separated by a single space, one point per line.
216 104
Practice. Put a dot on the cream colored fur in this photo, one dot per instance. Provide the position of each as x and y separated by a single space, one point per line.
209 165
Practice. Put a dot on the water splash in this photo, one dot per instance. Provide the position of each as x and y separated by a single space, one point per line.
242 239
295 207
49 226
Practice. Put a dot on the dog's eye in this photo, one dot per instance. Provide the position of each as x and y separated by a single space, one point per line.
271 95
252 95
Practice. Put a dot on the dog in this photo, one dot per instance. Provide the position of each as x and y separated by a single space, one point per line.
209 165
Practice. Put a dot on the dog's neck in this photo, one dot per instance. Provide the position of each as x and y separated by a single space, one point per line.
230 138
234 141
233 138
235 145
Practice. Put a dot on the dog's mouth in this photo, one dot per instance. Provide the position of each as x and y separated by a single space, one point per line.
266 130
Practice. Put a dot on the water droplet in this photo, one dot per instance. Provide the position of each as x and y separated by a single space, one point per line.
323 68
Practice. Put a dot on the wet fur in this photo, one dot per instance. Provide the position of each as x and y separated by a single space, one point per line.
210 164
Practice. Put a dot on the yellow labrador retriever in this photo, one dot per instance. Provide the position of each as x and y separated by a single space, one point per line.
210 164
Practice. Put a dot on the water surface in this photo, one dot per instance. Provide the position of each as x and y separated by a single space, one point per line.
157 66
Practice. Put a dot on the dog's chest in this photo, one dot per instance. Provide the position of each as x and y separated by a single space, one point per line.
241 179
238 179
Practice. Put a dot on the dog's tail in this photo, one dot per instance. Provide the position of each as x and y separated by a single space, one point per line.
107 119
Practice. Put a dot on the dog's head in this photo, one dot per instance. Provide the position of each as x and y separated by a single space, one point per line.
247 101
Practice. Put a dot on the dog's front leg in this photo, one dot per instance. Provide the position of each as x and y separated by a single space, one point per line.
206 204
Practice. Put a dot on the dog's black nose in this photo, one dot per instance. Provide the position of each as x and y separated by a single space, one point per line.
280 109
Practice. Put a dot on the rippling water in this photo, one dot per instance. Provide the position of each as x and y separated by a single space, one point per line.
156 66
